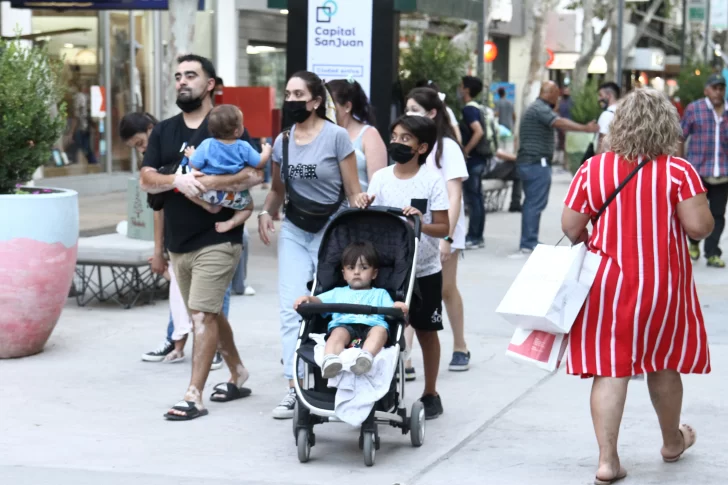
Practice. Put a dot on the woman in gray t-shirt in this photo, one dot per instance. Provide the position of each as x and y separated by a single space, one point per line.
321 168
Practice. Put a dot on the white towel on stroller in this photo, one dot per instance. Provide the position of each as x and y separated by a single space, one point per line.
355 395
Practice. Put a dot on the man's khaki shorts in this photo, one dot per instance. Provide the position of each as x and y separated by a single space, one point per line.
203 276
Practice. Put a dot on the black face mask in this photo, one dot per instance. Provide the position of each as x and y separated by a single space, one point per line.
604 103
296 111
189 105
400 153
565 96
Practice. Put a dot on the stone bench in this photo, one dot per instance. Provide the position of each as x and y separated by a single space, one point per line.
115 267
495 193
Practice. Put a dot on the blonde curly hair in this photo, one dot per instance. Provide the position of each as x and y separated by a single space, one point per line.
645 125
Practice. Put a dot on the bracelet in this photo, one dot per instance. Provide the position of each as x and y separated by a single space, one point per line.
263 213
447 239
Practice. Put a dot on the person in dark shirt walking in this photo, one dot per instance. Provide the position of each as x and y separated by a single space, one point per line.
535 152
203 259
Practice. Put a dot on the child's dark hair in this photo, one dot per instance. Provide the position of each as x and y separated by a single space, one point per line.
360 249
344 92
473 85
429 99
224 121
422 128
133 123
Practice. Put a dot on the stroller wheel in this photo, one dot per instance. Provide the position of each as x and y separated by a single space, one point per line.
304 445
295 420
417 424
369 447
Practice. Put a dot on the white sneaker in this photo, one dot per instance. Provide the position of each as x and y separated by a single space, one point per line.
331 367
363 363
249 291
284 410
521 254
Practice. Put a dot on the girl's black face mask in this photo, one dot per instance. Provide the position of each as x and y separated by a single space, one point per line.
296 111
400 152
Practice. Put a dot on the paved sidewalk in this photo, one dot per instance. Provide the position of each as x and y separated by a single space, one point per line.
88 411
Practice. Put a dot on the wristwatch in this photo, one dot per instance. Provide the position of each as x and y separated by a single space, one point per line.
447 239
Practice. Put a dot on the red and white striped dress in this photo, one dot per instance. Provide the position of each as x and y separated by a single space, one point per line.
642 314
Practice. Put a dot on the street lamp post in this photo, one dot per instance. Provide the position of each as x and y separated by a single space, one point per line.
620 35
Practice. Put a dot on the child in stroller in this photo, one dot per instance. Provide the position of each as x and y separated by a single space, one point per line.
360 266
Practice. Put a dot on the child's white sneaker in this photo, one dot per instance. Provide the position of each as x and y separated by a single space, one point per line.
363 363
331 367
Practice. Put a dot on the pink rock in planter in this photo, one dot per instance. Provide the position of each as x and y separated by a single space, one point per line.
38 241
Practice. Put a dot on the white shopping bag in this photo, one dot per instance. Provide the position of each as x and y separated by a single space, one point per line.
542 349
551 288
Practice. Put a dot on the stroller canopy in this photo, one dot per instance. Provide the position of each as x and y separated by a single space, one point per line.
392 236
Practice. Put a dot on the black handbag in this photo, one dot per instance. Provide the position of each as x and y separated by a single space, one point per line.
306 214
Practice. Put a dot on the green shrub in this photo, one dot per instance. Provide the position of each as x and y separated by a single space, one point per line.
434 58
586 103
691 82
30 85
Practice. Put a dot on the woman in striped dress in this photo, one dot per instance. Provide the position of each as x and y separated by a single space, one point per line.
642 315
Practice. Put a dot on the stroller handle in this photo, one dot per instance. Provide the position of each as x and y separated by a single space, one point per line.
398 212
311 309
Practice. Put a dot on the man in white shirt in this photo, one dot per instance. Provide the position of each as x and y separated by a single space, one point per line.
608 98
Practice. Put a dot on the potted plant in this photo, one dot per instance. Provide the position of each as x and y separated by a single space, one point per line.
39 229
585 109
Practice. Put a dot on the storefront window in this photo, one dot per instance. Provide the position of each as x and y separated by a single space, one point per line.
267 67
73 38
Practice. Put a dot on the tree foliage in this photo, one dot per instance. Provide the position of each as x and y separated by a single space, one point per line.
586 103
691 82
434 58
32 116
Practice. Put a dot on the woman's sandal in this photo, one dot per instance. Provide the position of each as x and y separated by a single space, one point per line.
621 475
227 391
190 410
689 438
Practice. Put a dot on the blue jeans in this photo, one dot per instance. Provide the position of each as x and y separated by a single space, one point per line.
82 140
225 311
241 272
473 198
297 261
536 181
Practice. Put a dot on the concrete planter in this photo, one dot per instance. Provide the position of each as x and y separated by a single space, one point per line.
38 242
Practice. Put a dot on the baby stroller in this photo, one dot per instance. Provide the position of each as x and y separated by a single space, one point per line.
396 242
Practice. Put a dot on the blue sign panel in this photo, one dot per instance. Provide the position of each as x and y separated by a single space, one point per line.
96 5
510 91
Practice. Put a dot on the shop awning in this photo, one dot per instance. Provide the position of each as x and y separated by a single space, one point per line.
461 9
96 4
566 61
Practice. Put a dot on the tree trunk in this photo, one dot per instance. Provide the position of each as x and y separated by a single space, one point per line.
182 15
537 66
611 56
590 42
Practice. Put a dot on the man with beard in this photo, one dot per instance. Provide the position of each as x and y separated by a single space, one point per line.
706 124
608 99
204 260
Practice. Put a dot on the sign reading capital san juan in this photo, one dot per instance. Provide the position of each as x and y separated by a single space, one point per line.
340 40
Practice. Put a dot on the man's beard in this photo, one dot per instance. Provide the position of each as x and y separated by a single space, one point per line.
187 102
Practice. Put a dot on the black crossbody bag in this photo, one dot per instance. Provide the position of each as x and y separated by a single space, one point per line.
306 214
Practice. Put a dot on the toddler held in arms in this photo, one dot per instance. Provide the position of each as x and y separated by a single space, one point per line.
360 265
226 154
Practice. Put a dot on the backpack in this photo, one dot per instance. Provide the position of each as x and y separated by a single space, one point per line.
488 145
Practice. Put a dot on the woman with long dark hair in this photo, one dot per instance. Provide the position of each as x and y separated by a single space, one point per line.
448 160
354 113
314 171
449 112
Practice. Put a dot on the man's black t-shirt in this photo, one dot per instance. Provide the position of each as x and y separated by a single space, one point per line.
187 226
